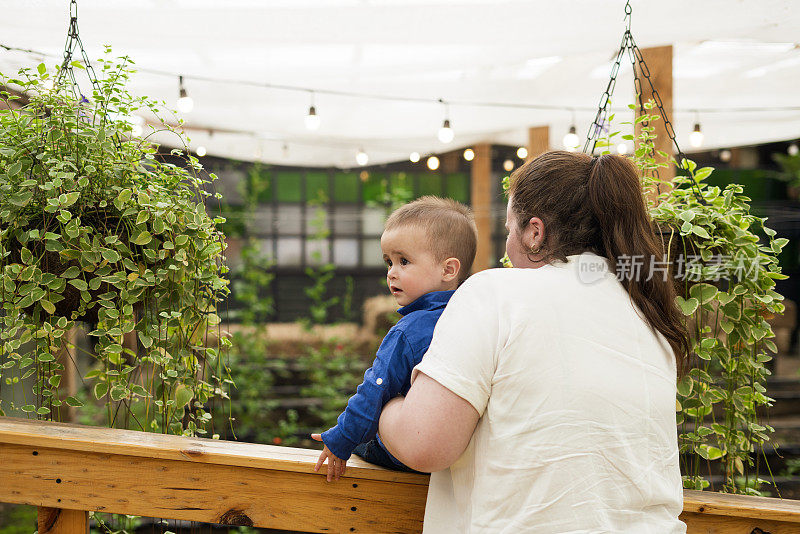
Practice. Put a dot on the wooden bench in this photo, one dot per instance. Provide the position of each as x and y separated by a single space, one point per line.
67 470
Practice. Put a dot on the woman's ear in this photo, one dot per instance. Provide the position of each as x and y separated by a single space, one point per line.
450 269
534 233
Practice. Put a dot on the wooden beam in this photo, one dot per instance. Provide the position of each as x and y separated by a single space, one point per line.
57 465
63 521
538 141
481 197
659 62
69 469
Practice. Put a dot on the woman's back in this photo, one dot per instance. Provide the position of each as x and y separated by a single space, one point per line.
577 401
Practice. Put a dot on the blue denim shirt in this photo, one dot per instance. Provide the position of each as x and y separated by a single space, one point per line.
390 374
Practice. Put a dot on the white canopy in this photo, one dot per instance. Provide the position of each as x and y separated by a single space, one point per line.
736 62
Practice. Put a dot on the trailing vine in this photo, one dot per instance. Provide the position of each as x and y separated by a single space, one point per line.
96 226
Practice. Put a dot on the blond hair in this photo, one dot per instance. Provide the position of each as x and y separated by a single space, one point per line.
449 227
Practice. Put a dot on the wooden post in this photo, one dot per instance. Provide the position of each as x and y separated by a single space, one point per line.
538 141
481 194
659 62
62 521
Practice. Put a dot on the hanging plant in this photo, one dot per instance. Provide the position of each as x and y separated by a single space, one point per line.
724 261
96 226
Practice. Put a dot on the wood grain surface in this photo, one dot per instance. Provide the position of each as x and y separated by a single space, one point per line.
68 469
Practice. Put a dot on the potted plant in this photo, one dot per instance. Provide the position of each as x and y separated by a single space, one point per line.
97 226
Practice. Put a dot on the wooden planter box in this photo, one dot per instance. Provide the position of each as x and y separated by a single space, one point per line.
67 470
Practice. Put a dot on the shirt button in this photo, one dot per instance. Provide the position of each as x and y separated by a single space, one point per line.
379 381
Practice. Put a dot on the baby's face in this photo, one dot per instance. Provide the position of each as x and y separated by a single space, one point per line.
413 269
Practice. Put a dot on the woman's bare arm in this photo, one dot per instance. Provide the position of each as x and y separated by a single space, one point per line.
429 428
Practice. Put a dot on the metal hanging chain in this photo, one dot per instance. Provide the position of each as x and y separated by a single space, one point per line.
74 41
628 44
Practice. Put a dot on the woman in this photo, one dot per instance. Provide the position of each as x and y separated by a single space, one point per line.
546 401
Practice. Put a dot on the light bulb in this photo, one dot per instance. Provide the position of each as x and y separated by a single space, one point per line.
622 149
137 125
571 140
725 155
433 163
185 104
696 137
362 158
793 149
508 165
201 151
312 119
446 134
414 157
522 152
469 154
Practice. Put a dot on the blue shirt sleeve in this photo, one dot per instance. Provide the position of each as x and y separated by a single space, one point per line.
359 421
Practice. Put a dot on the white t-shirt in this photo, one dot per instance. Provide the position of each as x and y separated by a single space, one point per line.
576 395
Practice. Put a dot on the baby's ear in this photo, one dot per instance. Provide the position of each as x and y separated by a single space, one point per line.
451 267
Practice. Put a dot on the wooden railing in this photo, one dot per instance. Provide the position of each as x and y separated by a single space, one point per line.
67 470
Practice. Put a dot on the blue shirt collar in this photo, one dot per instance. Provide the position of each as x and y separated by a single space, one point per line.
429 301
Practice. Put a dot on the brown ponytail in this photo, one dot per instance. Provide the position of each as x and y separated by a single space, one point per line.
596 205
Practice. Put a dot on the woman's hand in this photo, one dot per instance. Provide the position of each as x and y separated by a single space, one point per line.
336 466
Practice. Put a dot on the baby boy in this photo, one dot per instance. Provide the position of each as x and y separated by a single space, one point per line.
428 246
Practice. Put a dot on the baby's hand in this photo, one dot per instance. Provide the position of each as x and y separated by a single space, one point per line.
336 466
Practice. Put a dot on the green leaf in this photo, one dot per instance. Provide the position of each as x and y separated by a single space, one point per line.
72 401
183 396
42 68
43 410
702 174
111 256
28 408
124 195
688 307
685 386
142 217
48 306
79 284
70 199
71 272
699 230
143 238
146 340
726 326
703 292
100 390
118 392
687 215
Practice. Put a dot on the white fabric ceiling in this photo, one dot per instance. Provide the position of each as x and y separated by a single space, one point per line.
728 54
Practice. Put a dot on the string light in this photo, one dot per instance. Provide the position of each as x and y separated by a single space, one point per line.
696 137
469 154
793 150
622 149
446 134
414 157
201 151
312 119
185 104
137 125
725 155
508 165
571 140
522 152
361 157
433 163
